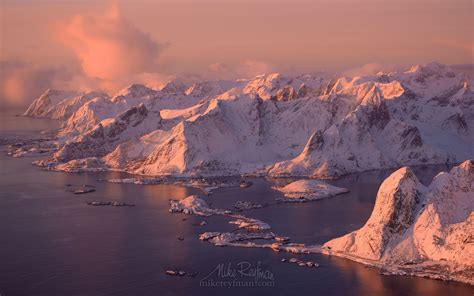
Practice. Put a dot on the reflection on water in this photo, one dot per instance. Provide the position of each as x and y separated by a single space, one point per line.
371 283
53 243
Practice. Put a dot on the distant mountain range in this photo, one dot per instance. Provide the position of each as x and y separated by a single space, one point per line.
273 124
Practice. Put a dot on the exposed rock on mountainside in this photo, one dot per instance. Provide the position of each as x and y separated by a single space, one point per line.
418 230
274 124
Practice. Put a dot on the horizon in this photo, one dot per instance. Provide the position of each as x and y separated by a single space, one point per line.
107 45
189 79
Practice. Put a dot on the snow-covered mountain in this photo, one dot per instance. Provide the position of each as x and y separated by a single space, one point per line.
59 104
272 124
416 229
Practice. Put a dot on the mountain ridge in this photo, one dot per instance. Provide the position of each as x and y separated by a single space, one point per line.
277 125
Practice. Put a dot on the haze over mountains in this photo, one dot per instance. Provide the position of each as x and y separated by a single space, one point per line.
273 124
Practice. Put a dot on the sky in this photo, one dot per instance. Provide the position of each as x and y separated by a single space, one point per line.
93 44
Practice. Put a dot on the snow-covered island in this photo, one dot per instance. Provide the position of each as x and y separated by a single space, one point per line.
307 190
269 125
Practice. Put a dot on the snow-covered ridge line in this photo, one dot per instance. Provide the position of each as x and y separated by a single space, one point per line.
60 104
270 125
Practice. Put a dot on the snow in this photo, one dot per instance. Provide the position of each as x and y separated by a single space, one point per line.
193 205
266 125
233 239
307 190
60 104
413 229
245 240
292 126
249 223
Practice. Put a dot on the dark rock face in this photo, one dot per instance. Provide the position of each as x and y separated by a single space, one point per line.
455 122
444 98
403 215
86 148
134 115
116 129
315 142
379 116
411 138
384 79
303 91
375 109
397 209
260 114
329 87
287 93
98 132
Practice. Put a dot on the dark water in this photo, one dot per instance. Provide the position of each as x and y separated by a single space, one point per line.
53 243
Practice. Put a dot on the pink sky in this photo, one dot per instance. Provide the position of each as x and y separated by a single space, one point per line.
100 44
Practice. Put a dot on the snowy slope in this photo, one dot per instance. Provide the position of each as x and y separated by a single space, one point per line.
58 104
416 229
307 190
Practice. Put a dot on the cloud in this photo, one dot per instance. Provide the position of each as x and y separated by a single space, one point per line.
21 82
244 69
369 69
219 69
108 46
111 51
251 67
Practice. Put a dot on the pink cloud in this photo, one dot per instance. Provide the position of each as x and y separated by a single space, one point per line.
21 82
369 69
244 69
108 46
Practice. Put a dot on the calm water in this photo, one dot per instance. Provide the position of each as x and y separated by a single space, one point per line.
52 243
